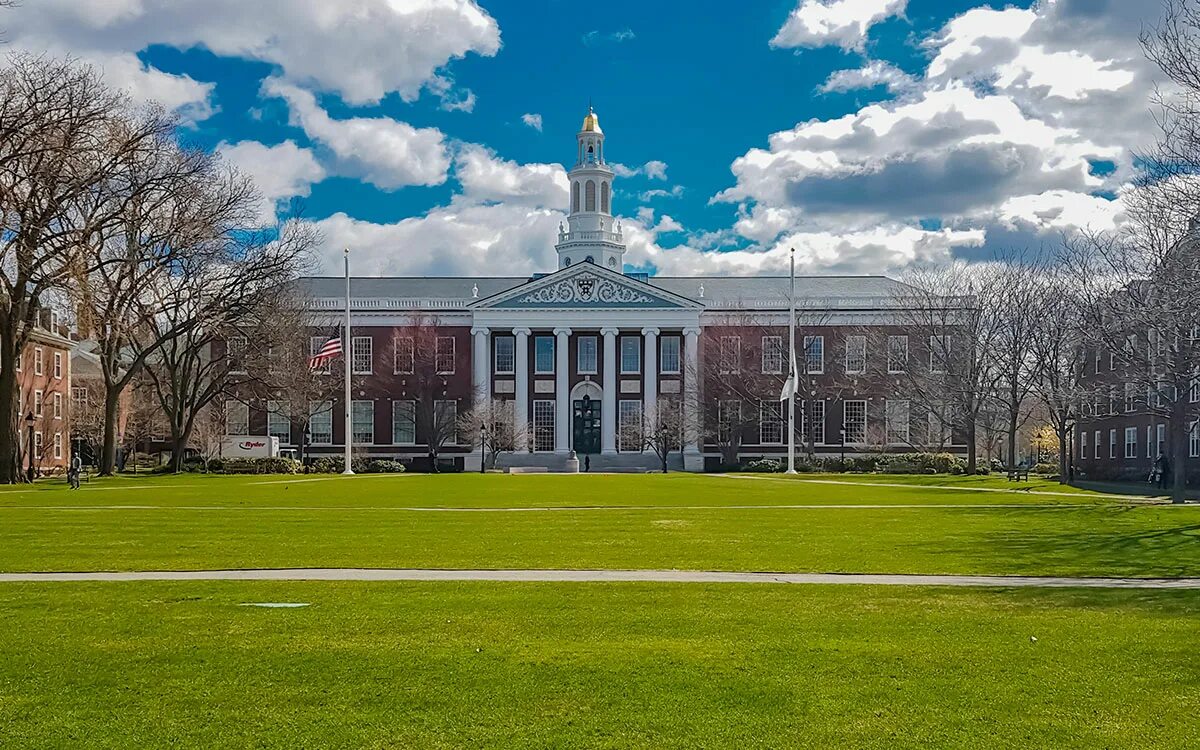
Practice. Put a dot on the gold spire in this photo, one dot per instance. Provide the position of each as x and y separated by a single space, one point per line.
591 123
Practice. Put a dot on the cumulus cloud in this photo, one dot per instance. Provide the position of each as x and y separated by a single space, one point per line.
360 49
649 195
387 153
485 177
280 172
842 23
653 169
872 74
533 120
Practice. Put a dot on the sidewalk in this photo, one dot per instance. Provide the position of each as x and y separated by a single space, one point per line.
1133 488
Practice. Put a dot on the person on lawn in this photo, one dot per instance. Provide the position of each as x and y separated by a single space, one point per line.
73 471
1162 470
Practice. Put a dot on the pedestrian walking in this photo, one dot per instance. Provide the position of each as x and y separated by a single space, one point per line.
73 471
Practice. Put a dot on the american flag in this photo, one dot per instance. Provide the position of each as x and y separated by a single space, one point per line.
329 350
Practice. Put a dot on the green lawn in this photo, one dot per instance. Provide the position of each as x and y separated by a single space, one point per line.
616 665
595 665
674 521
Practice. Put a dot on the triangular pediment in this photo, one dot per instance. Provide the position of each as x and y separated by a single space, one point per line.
586 286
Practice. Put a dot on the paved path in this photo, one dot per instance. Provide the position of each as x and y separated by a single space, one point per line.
576 576
561 508
1011 490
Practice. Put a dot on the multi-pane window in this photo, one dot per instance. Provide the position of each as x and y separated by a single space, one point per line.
1114 400
279 420
896 415
58 445
237 418
361 363
1130 397
446 413
1194 441
320 422
772 355
668 355
1099 359
37 403
404 422
506 362
58 404
856 355
58 366
1097 447
814 422
543 355
315 344
543 425
730 355
854 421
235 352
444 355
38 364
1112 443
814 354
729 419
1149 441
897 354
79 397
1160 439
770 422
585 355
939 353
1131 442
631 355
629 425
37 443
403 354
362 421
1083 444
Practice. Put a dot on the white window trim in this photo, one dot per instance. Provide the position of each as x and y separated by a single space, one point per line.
678 354
730 366
324 410
544 403
39 367
595 366
1131 447
411 356
414 422
845 421
58 365
537 369
637 352
846 364
807 369
437 356
57 402
496 355
777 343
904 368
370 342
352 428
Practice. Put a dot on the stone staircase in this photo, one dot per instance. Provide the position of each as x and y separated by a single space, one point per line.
632 463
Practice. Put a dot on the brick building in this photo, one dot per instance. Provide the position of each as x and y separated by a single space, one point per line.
582 353
43 399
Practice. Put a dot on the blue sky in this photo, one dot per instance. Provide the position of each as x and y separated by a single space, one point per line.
949 129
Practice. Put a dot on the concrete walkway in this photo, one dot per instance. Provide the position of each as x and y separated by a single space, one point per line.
588 576
560 508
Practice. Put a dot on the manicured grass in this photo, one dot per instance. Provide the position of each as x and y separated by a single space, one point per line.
449 665
195 522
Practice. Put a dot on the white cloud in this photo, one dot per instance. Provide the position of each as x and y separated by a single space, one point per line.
872 74
649 195
533 120
844 23
280 172
653 169
360 49
384 152
595 37
487 178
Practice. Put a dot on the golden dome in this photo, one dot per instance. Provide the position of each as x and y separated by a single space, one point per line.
591 123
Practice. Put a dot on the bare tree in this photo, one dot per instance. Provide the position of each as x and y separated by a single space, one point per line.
660 430
1016 291
425 356
490 426
64 140
1059 359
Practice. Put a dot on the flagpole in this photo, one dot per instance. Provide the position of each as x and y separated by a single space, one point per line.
794 375
346 354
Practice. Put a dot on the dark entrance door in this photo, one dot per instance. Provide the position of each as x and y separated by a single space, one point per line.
586 426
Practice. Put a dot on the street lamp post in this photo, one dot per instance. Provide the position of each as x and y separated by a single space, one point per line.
29 426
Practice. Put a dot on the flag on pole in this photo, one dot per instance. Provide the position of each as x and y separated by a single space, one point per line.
790 385
330 349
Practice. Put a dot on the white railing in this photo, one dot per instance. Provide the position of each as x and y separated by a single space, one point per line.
391 303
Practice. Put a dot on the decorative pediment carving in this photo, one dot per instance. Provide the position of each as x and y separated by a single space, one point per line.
586 286
585 289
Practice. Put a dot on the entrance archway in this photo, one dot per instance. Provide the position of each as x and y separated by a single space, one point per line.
585 418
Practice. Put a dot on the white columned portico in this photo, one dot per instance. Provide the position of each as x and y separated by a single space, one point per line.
562 397
693 459
608 398
521 387
481 365
650 372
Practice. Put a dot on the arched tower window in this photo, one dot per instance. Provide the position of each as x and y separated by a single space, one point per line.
574 197
604 197
589 196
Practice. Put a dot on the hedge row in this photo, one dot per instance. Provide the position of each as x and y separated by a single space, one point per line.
897 463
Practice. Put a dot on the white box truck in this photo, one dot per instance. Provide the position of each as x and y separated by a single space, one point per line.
250 446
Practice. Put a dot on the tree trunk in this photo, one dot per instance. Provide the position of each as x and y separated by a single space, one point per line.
972 451
108 455
1064 456
1012 440
1178 451
9 455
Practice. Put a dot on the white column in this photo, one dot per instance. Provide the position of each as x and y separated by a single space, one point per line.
481 365
562 419
522 385
692 458
608 399
650 371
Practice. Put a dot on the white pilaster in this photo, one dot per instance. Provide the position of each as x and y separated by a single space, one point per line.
608 398
481 365
562 420
521 407
650 371
693 460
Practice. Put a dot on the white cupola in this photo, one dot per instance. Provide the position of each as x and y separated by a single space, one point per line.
591 234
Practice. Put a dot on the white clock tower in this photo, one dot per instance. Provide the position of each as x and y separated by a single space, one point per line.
591 234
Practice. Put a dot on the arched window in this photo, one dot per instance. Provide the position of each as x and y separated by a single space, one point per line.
589 196
604 197
575 197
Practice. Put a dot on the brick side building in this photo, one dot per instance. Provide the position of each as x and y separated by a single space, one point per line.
43 401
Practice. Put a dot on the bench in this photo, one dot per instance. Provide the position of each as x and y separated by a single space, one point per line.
1018 474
